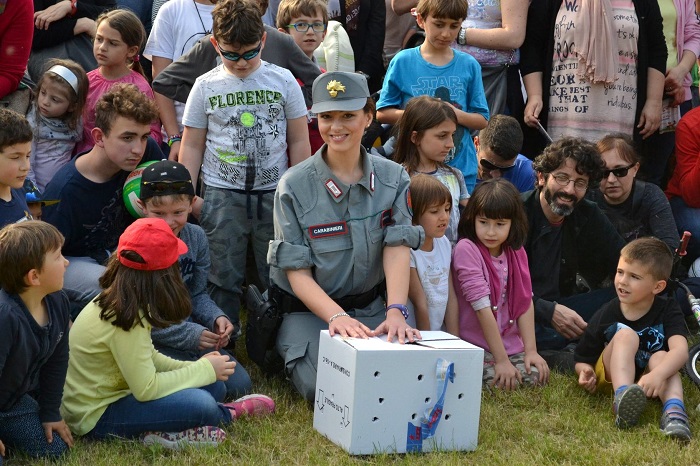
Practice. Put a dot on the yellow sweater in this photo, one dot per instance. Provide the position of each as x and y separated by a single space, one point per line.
106 364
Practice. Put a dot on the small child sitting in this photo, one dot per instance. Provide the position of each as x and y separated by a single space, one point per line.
167 193
636 344
34 320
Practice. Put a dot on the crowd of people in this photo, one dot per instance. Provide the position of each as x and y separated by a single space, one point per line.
523 199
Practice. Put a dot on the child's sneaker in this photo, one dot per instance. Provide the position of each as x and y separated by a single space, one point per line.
674 424
206 436
628 405
251 405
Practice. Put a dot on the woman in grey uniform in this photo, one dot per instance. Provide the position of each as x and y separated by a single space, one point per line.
342 233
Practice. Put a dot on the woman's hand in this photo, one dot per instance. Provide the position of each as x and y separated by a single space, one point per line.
208 340
534 359
650 118
346 326
223 366
673 85
43 18
532 110
224 328
397 326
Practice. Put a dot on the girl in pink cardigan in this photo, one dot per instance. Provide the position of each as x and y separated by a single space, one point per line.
492 282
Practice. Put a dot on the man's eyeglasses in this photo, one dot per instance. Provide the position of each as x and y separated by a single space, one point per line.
303 27
179 187
620 172
233 56
564 180
490 166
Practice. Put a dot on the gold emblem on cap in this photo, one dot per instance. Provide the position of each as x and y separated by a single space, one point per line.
333 87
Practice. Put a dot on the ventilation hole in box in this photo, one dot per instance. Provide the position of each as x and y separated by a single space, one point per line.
460 396
375 419
413 416
420 377
377 374
427 400
447 417
381 400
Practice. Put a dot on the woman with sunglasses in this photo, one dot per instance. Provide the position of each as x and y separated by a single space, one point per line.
342 232
636 208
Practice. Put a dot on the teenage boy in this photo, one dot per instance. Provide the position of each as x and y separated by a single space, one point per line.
437 70
91 214
497 150
15 146
245 124
636 344
167 192
34 320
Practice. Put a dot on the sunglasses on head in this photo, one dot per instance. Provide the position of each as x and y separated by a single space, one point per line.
490 166
179 187
233 56
618 172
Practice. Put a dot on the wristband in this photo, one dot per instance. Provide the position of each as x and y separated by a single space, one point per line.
400 307
73 7
335 316
462 36
173 139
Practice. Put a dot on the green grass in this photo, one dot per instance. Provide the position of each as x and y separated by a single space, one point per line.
557 424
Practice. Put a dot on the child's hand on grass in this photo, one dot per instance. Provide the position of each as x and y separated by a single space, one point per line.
587 379
507 376
61 428
534 359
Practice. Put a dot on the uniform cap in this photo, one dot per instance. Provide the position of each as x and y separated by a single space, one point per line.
339 90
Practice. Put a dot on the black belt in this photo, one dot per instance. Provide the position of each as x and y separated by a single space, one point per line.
289 303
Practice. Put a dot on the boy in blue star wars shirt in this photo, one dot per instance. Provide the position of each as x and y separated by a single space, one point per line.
245 124
636 343
437 70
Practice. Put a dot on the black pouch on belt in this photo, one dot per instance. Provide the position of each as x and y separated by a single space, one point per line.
264 320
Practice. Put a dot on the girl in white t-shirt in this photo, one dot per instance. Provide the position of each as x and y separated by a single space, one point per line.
430 291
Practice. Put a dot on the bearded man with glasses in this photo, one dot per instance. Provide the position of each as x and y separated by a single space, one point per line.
572 247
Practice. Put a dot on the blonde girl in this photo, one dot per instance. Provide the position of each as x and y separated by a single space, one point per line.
55 118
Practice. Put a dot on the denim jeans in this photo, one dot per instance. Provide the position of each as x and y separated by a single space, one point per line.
186 409
585 304
21 429
687 218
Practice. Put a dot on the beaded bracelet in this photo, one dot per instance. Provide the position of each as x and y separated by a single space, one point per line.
335 316
173 139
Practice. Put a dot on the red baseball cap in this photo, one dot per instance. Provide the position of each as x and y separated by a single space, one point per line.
153 240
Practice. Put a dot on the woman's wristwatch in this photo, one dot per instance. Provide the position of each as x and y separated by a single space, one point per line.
462 36
400 307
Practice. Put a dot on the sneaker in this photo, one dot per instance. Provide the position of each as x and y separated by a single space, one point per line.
251 405
628 406
674 424
206 436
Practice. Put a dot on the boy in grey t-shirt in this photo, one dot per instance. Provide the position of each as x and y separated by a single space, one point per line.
245 124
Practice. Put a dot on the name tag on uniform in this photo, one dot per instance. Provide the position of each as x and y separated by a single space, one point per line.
328 229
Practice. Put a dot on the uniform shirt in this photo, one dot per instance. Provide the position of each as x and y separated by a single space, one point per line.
339 231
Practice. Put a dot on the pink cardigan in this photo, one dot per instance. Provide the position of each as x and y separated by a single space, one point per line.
687 35
471 282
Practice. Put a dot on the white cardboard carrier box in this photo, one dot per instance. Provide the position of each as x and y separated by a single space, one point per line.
371 395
